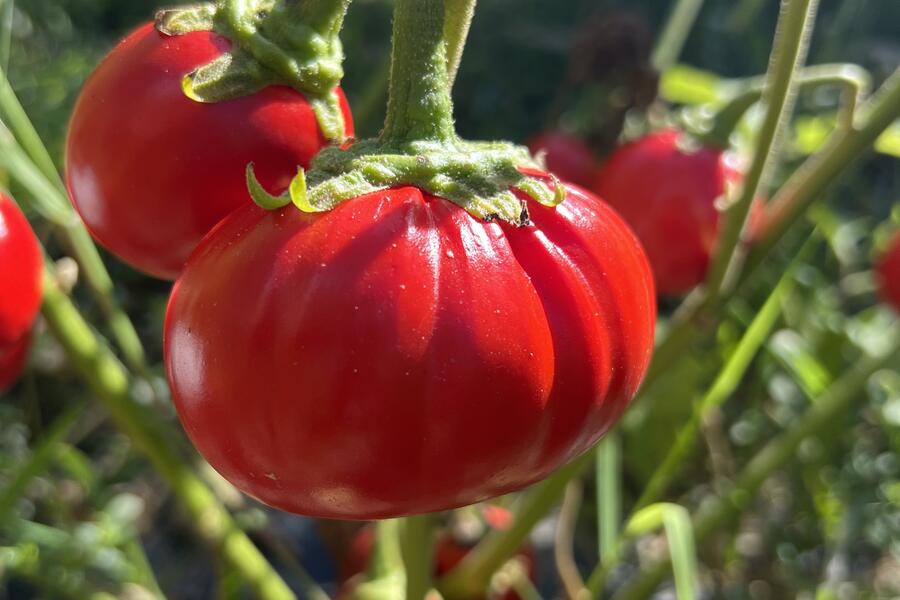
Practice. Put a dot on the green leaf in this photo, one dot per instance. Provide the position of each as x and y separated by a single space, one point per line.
687 85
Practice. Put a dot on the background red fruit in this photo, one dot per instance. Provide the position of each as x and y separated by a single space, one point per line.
151 171
396 355
21 267
566 156
668 193
20 274
888 274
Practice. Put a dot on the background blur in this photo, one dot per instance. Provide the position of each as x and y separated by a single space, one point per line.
829 525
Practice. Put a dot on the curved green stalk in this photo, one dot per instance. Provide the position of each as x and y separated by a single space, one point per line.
111 383
416 541
789 49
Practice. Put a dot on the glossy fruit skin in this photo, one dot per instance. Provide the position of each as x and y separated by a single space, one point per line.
448 553
396 355
668 196
21 267
888 274
566 156
151 171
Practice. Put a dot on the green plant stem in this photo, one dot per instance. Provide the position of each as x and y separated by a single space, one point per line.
416 540
35 170
98 367
43 453
853 80
675 33
458 20
808 183
789 49
725 383
473 574
6 17
716 514
419 105
387 556
609 493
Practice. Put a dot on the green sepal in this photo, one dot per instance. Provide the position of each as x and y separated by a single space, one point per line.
272 44
478 176
261 196
232 75
185 19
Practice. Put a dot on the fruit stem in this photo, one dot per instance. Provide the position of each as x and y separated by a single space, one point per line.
416 540
419 104
792 35
457 22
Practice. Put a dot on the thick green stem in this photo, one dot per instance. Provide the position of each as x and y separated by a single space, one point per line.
6 17
387 556
609 492
99 368
416 539
792 36
456 28
808 183
419 105
716 514
473 575
675 33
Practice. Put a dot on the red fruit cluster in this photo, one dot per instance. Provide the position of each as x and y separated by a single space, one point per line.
151 171
20 299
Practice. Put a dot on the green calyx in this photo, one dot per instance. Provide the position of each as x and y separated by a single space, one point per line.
477 176
273 43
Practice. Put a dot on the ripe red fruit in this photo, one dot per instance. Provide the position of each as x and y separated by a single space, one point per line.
21 267
151 171
396 355
668 194
888 274
566 156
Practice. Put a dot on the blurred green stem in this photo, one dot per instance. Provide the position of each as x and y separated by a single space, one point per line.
42 454
723 386
38 173
98 367
675 33
416 541
854 82
808 183
792 35
6 18
609 492
715 515
473 574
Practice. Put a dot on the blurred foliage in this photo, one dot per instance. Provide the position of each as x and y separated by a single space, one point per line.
828 527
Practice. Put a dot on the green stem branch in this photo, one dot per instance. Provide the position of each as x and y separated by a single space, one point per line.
716 514
459 14
675 33
111 383
792 36
416 539
419 105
